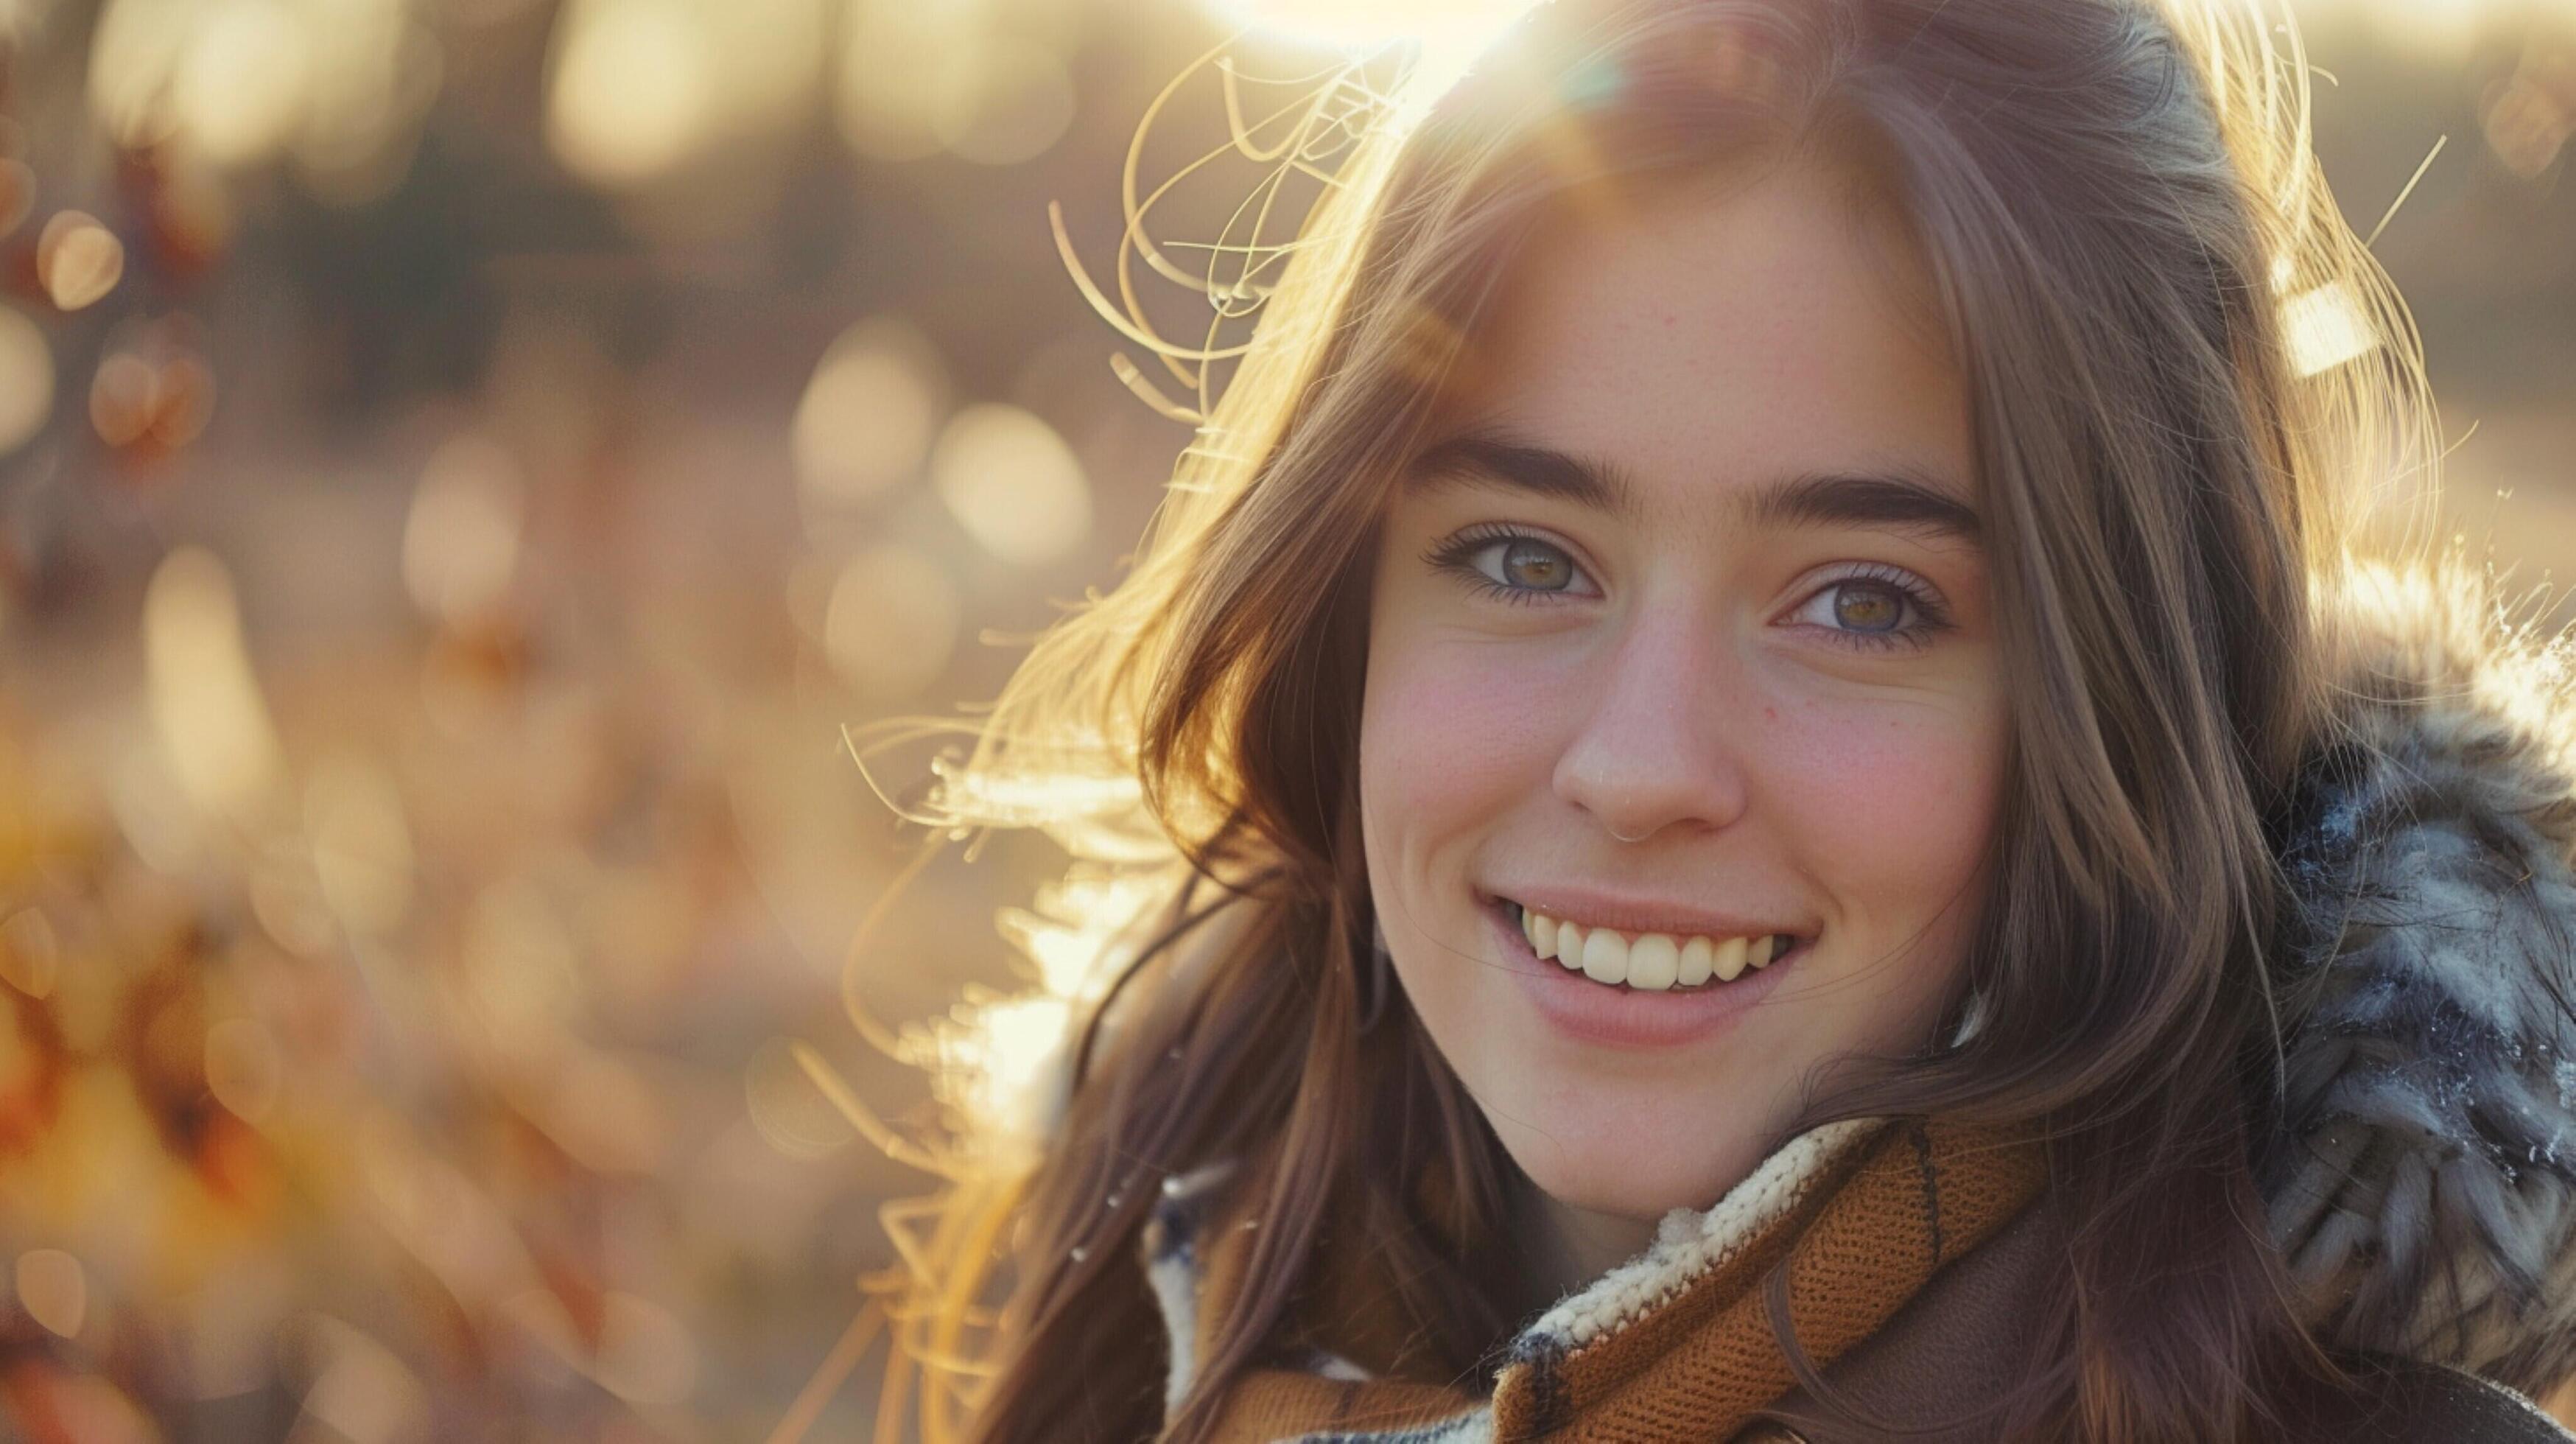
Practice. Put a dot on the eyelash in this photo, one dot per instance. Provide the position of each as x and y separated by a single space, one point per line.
1453 556
1932 618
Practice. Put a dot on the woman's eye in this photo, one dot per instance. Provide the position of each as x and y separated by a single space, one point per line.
1868 606
1510 566
1529 562
1871 611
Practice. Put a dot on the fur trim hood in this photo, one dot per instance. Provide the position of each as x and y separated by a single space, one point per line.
2422 1180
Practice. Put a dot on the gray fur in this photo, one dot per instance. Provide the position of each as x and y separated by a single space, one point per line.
2423 1179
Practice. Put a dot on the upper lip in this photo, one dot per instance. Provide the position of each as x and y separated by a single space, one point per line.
1636 915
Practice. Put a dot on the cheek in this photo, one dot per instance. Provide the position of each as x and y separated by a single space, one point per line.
1447 738
1893 806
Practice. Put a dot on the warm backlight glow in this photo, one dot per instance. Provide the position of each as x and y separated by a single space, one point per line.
54 1289
2441 24
642 89
1443 38
30 953
26 380
78 260
342 85
1012 483
240 88
917 79
632 93
1448 25
892 621
206 704
461 543
2326 328
362 852
867 417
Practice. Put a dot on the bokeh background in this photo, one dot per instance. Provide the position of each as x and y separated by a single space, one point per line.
464 464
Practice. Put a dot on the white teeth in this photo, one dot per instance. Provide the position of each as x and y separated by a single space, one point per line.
1654 962
1694 967
1605 956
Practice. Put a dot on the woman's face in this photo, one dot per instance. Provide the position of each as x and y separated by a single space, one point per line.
1680 630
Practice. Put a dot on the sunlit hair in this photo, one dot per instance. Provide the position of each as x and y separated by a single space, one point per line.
2189 381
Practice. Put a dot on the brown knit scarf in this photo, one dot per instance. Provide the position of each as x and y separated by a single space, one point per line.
1676 1344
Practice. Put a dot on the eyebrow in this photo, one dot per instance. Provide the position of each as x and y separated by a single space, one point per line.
1541 471
1894 501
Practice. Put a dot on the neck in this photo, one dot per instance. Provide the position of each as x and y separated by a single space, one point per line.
1561 1248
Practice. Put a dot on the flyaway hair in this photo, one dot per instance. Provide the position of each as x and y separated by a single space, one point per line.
2196 399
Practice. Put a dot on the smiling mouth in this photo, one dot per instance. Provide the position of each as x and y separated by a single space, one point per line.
1649 962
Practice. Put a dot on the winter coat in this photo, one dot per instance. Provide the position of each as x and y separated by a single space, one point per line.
2420 1180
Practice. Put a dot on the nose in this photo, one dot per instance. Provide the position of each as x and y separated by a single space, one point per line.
1660 747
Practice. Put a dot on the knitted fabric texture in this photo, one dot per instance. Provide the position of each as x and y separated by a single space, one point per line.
1675 1344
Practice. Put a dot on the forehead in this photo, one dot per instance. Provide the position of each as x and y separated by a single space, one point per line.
1721 332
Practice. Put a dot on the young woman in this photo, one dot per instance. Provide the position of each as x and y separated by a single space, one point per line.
1792 809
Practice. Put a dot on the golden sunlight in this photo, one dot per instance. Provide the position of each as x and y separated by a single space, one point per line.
26 380
632 92
892 622
1012 482
866 419
460 543
2326 328
78 261
1450 25
206 704
2434 24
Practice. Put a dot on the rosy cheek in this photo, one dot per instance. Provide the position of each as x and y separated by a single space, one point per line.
1449 735
1892 803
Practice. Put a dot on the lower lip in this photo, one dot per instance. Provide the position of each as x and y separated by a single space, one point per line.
1618 1017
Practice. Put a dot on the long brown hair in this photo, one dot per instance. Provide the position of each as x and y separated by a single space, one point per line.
2119 209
